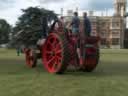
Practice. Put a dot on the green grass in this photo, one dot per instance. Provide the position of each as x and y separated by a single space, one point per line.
109 79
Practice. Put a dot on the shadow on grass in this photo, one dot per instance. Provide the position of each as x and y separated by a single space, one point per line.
104 68
18 67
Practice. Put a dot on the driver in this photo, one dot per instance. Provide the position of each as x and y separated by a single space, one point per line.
75 30
75 24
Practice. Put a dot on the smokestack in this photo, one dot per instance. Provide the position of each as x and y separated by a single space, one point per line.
106 11
62 11
102 14
91 13
70 13
76 9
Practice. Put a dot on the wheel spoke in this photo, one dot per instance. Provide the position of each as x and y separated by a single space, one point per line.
59 59
58 51
54 53
54 45
49 57
55 65
50 45
59 56
49 62
58 46
48 52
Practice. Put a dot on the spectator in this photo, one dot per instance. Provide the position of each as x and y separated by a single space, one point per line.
18 51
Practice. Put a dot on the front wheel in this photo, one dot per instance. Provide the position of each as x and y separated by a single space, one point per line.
31 58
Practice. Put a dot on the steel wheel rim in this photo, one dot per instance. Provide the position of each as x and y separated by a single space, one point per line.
52 53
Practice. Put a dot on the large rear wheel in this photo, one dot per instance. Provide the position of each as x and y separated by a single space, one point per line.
55 53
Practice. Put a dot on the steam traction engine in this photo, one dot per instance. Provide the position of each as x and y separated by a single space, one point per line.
59 51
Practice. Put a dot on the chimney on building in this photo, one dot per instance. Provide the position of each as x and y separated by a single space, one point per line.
77 9
62 11
91 13
70 13
106 11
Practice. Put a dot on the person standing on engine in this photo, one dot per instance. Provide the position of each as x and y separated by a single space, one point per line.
75 24
87 25
75 30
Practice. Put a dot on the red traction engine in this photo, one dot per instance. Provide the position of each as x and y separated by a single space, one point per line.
60 51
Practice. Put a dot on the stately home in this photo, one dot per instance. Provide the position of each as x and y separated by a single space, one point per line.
109 28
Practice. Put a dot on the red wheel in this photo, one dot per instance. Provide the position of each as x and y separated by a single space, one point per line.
31 59
55 55
91 59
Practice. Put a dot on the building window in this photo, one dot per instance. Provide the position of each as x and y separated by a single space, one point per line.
115 41
104 34
115 33
115 24
103 41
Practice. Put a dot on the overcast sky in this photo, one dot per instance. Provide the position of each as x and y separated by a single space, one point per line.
11 9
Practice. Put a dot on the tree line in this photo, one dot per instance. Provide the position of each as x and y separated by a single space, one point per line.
28 28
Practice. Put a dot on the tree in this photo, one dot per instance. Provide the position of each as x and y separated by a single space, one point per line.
29 26
5 30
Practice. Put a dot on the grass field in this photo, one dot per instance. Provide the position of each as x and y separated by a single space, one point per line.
109 79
